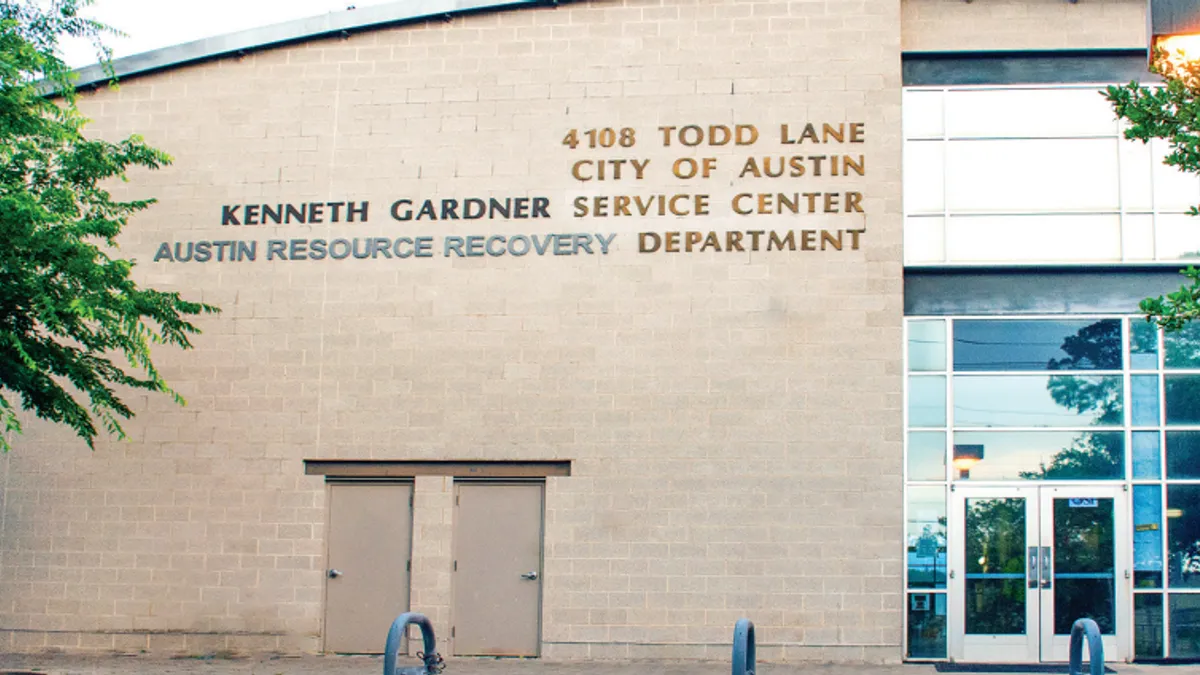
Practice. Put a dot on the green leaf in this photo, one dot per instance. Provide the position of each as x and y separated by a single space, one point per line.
67 307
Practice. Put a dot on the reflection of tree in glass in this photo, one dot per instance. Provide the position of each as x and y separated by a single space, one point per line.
1182 348
1090 455
1096 346
995 544
1083 544
1183 392
1184 535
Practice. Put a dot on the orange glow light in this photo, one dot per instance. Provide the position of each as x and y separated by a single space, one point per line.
1179 49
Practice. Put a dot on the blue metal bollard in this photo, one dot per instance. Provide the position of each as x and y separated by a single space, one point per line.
433 662
1088 628
743 647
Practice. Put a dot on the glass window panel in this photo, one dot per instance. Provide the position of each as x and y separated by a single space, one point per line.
927 455
927 625
986 344
1148 626
1038 400
995 558
1183 399
1147 460
991 176
1144 391
1085 571
1177 236
1043 455
1182 347
924 239
922 114
1183 454
1174 190
1183 536
926 537
927 345
1137 192
927 401
1137 237
1147 536
1185 626
1022 113
1143 345
1032 238
924 175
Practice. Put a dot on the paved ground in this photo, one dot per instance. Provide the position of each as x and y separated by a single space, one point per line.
365 665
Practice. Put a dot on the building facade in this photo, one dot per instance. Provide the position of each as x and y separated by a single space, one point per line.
588 328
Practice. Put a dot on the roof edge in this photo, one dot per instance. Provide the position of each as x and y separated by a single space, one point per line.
288 32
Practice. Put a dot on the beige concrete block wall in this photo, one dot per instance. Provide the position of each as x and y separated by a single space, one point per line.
999 25
733 419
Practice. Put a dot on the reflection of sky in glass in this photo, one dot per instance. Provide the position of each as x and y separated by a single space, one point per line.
1007 454
1147 514
1024 401
1143 389
927 455
981 345
927 345
1147 461
927 401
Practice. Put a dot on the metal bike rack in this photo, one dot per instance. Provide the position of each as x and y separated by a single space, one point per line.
1081 629
432 662
743 647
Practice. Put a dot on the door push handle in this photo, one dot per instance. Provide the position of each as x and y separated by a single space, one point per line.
532 576
1047 566
1032 573
333 574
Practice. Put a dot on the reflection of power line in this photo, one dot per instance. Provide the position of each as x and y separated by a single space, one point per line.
1057 344
1002 411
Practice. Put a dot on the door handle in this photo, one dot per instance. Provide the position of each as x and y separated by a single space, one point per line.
333 574
1031 573
532 576
1047 565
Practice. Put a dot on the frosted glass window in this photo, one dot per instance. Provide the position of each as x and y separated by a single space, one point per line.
1178 237
1174 190
924 239
1031 175
922 114
1137 192
1034 238
1137 237
924 171
1025 113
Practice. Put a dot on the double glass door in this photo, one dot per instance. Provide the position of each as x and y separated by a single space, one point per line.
1026 562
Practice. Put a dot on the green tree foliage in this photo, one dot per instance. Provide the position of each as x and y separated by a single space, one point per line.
75 330
1170 112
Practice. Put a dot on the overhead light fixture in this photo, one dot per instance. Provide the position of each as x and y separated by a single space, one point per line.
967 456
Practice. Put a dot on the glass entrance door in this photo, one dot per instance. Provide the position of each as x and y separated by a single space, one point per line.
1026 562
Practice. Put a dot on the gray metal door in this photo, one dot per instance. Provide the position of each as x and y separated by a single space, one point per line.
497 569
369 552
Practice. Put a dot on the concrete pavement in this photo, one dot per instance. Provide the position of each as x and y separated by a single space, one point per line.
70 664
